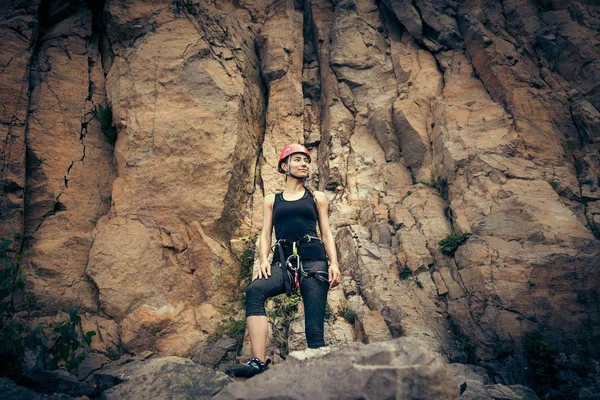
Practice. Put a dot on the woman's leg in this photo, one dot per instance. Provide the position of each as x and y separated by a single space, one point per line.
256 317
314 294
258 328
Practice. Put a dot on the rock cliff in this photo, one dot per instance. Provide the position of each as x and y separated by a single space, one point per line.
476 120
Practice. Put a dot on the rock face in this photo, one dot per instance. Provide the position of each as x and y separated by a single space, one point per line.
20 35
426 120
70 169
188 137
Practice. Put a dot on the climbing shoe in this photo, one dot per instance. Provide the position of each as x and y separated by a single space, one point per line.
249 369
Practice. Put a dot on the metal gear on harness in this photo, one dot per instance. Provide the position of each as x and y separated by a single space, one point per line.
290 267
320 275
296 274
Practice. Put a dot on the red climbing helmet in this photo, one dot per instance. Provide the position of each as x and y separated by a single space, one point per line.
289 150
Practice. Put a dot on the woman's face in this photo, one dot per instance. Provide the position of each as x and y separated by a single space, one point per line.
298 165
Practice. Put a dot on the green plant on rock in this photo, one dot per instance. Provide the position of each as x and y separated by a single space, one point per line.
405 273
541 354
234 329
450 243
462 341
283 313
502 350
247 261
184 6
348 314
440 184
442 187
230 327
14 340
12 346
286 308
65 350
419 283
328 313
104 115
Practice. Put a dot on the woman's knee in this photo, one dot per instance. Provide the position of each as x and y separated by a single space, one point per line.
254 292
255 301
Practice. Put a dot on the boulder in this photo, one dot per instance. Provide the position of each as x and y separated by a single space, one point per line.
403 368
12 391
163 378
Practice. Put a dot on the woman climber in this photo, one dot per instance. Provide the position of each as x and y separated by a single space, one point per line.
299 260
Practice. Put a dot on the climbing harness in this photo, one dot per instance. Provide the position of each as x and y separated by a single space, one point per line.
295 274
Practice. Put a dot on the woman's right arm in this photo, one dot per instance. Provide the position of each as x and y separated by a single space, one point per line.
264 244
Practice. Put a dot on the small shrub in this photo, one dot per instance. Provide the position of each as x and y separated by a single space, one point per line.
12 346
439 184
419 283
450 243
282 315
231 328
104 115
64 352
13 338
405 273
328 313
462 341
442 187
348 314
184 6
502 350
247 261
286 308
541 354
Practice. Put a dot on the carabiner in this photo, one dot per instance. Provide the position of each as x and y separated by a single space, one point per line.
298 268
289 264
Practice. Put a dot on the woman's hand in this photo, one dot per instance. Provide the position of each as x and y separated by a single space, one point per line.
264 270
335 276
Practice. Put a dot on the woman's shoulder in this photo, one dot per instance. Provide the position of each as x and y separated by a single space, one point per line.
320 196
270 199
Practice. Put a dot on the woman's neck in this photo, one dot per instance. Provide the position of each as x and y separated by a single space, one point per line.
293 185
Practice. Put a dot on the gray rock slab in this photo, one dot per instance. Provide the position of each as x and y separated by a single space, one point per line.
402 368
463 372
171 378
474 390
513 392
58 381
92 363
209 354
11 391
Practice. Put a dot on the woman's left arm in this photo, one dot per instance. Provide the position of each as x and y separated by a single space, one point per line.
327 237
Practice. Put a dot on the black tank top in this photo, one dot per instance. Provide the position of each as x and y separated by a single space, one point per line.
292 221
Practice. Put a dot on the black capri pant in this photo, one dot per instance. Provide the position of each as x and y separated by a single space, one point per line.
314 296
